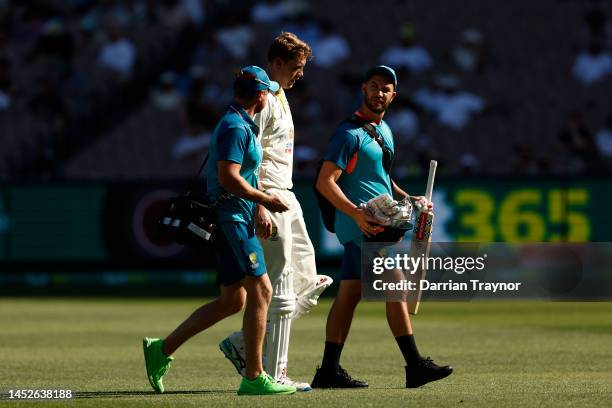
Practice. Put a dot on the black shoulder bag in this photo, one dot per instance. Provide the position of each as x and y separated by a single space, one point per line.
190 219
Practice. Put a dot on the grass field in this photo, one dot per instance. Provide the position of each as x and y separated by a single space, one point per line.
504 354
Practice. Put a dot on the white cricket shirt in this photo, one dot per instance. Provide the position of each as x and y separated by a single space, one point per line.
276 137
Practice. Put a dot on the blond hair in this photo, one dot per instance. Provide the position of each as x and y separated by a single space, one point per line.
288 46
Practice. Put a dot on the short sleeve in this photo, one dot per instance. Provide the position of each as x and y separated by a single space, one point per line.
232 144
342 147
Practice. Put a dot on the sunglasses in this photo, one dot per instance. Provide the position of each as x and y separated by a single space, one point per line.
250 77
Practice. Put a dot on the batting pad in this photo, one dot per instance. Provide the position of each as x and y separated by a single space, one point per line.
278 328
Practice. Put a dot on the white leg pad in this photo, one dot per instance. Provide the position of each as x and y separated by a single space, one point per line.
310 297
278 328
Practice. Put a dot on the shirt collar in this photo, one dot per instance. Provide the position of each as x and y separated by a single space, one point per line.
237 108
361 116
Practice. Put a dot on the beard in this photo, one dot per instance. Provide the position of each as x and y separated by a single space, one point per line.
380 108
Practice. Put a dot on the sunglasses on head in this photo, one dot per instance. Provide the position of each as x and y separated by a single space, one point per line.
250 77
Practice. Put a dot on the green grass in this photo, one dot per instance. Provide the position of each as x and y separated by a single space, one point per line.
505 354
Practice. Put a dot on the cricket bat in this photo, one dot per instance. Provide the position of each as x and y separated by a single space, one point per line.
421 239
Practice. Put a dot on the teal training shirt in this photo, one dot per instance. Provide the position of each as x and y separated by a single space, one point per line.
234 139
363 175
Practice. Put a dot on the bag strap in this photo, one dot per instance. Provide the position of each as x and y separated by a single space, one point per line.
203 164
368 128
196 183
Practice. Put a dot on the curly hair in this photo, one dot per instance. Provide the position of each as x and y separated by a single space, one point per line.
288 46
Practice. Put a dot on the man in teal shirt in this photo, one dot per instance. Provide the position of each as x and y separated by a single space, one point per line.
232 178
356 169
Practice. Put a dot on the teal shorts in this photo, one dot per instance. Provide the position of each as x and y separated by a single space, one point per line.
238 252
358 257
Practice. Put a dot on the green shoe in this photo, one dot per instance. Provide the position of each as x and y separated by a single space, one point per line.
264 385
156 361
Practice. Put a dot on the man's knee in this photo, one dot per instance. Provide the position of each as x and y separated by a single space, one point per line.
259 287
266 290
233 302
350 291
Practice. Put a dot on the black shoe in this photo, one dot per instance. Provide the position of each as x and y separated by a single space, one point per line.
335 379
425 371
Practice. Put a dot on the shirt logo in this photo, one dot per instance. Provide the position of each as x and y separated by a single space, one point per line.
274 236
253 259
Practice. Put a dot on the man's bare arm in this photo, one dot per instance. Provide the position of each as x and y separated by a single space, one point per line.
233 182
398 192
328 186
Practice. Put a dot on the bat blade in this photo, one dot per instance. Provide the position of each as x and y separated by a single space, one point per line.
421 242
419 248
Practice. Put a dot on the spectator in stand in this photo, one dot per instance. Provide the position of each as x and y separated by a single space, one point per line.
276 11
236 38
166 97
603 139
199 118
451 106
179 13
469 164
48 104
54 48
578 145
425 152
209 51
470 55
331 47
404 120
598 27
268 12
593 65
523 162
305 26
6 89
195 10
408 53
118 54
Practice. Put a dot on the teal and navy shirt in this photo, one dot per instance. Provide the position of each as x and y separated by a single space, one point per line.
234 139
363 176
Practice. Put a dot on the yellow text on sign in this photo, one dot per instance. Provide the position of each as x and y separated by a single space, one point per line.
523 215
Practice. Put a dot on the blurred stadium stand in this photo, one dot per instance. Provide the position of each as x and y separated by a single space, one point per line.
106 109
65 116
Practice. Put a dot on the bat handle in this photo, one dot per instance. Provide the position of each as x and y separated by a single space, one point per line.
430 179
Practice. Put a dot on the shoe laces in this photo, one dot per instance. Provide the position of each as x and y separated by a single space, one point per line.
163 370
344 374
285 380
428 362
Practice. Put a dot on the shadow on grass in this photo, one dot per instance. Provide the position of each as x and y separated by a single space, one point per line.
121 394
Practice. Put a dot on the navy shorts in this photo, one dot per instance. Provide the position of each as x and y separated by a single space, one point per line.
238 252
353 254
351 261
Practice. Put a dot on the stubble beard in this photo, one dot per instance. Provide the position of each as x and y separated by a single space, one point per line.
373 108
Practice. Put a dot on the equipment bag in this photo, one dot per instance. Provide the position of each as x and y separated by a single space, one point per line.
328 211
190 219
